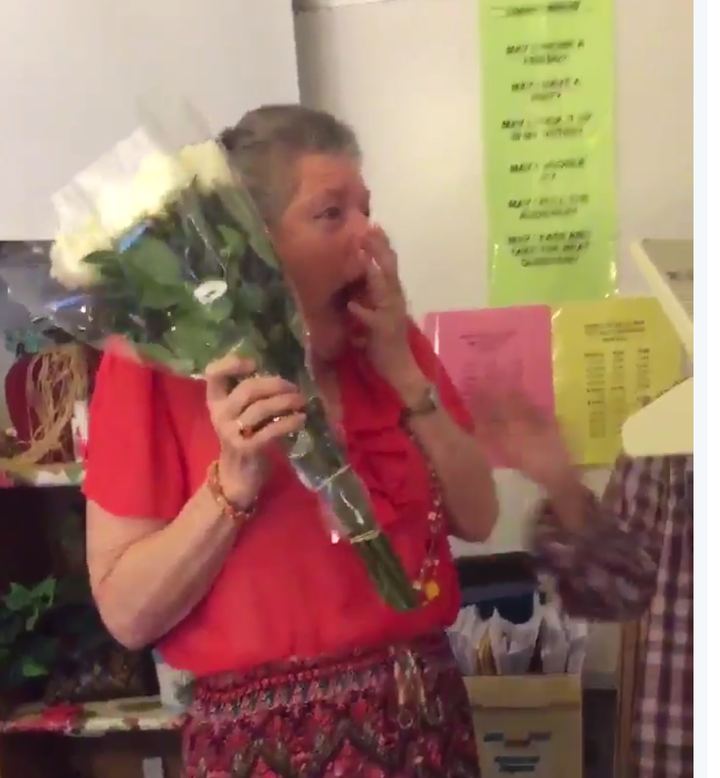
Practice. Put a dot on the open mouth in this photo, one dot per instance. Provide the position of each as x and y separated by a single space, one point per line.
354 291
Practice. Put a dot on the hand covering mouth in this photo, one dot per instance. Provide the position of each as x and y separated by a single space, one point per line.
353 291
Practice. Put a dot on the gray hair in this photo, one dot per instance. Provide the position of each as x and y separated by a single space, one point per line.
266 142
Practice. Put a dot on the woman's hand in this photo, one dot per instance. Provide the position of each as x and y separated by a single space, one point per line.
248 417
385 315
528 440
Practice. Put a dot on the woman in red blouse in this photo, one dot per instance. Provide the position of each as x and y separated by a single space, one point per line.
202 541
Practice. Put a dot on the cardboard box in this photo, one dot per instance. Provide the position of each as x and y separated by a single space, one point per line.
528 725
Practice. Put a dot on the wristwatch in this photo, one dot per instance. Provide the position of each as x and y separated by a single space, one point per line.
428 403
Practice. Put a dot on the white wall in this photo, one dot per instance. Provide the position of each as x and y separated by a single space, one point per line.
406 75
75 75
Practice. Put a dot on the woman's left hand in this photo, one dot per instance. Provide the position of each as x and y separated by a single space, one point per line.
384 313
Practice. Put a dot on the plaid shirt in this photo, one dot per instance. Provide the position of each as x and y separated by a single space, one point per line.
635 560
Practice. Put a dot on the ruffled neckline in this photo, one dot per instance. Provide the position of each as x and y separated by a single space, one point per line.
378 448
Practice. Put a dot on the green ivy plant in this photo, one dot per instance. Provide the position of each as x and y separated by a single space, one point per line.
25 653
42 625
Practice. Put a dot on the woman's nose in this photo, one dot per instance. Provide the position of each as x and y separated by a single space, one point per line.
359 224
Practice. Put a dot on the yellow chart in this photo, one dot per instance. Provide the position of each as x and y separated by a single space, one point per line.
611 357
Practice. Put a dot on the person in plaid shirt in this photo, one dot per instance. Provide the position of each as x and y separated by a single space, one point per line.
627 556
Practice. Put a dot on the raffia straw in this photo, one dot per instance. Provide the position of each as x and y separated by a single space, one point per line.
56 379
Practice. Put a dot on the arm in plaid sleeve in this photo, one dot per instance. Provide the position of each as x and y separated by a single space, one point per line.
605 567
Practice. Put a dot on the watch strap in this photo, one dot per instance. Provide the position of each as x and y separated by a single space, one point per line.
428 403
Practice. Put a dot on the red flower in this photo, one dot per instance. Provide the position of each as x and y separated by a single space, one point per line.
57 718
62 713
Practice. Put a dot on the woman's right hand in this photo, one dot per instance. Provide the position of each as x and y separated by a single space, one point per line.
248 413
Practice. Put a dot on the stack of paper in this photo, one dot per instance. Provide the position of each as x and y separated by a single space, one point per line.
665 426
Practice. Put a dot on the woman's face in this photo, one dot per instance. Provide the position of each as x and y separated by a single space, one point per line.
318 240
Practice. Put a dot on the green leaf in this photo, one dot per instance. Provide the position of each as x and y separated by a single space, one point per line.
297 326
33 669
157 296
260 241
165 357
155 259
235 242
148 273
32 620
197 344
18 598
219 310
46 590
103 259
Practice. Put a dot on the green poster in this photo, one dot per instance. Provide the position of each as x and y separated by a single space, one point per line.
548 97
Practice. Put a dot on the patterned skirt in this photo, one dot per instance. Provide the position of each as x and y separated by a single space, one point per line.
395 712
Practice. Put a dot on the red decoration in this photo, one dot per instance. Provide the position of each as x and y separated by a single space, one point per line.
23 417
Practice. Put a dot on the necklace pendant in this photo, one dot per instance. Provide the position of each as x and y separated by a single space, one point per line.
432 590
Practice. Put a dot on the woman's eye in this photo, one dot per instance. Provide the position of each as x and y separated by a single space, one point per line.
331 213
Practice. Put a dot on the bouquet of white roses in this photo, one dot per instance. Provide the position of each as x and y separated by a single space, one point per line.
168 251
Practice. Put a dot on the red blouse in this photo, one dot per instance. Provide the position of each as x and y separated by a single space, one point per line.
285 589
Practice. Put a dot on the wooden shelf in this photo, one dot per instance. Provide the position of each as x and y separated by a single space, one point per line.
94 719
665 426
41 535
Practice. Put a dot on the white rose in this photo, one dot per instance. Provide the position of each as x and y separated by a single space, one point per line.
119 209
207 163
67 256
159 180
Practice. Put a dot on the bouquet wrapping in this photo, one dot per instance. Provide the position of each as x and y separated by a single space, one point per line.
166 249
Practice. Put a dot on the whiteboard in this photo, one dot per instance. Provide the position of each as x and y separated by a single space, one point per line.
72 72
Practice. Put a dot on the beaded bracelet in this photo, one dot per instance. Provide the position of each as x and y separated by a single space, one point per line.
238 516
